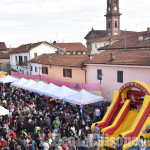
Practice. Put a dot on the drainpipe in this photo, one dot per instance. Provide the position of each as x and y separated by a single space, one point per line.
85 73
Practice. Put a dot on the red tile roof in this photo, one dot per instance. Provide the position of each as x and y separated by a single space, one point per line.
128 57
132 41
25 48
72 46
4 55
61 60
2 46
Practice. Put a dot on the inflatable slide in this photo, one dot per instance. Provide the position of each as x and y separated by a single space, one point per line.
124 121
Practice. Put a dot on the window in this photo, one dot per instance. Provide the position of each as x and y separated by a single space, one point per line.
31 68
120 76
95 45
45 70
116 25
35 69
109 26
20 58
8 66
99 74
67 73
16 58
25 60
115 1
35 55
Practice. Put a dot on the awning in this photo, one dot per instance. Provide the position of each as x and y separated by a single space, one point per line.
3 111
63 92
19 82
8 79
83 97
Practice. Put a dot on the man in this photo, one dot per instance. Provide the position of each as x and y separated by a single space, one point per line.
120 142
56 122
96 129
97 114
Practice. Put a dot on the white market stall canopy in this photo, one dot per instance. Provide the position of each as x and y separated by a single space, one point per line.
28 85
8 79
48 89
19 82
63 92
3 111
39 85
83 97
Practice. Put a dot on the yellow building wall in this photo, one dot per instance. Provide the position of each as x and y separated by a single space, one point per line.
56 73
5 64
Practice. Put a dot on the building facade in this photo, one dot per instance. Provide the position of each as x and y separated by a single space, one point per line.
117 68
69 68
20 56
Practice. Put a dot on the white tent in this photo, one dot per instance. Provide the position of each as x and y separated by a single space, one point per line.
19 82
3 111
48 89
39 85
8 79
83 97
63 92
28 85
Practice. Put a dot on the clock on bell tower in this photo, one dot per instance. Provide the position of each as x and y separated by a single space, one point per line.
113 18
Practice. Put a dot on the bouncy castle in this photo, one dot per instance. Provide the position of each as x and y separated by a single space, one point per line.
124 118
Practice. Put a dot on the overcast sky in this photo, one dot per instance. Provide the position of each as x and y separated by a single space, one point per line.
25 21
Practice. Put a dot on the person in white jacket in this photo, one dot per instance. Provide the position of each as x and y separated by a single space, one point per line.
142 143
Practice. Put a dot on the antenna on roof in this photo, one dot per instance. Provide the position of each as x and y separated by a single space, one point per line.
57 37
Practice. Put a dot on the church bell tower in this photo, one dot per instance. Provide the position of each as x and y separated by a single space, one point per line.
113 18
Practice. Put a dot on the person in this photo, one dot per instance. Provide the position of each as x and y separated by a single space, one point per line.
122 102
96 132
142 143
120 142
133 105
97 114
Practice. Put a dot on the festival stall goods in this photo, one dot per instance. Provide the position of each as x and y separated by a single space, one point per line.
19 82
83 97
3 111
48 89
8 79
63 92
2 75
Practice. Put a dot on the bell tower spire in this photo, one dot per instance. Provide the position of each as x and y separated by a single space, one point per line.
113 18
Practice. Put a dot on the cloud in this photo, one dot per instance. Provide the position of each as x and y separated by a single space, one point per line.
24 21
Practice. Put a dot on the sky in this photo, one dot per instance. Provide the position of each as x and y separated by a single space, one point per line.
29 21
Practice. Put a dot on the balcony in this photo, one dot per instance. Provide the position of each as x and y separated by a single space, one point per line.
21 63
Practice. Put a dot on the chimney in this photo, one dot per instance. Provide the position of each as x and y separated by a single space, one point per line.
148 29
26 46
112 56
50 59
90 57
54 43
10 48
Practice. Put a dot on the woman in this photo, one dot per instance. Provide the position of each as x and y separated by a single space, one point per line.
142 143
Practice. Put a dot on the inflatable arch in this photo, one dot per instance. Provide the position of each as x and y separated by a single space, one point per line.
143 87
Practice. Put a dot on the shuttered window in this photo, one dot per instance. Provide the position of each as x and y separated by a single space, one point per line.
44 70
67 73
120 76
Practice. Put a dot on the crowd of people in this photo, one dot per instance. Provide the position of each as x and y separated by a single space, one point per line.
35 122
